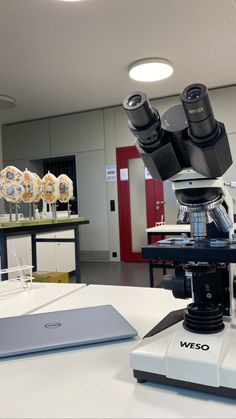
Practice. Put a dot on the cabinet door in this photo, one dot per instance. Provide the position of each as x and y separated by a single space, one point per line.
65 252
32 136
57 256
46 254
68 133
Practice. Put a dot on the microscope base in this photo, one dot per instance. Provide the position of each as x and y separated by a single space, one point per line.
176 357
143 376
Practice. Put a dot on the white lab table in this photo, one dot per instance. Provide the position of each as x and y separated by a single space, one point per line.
96 381
168 229
15 300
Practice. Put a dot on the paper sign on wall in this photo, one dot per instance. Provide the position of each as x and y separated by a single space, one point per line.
111 173
124 174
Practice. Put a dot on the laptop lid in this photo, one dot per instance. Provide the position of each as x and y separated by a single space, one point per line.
61 329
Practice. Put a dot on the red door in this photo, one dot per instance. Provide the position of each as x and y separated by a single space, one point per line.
140 200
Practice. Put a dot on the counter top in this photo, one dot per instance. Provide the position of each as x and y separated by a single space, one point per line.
46 222
16 300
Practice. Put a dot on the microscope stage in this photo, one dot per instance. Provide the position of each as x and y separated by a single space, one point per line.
222 251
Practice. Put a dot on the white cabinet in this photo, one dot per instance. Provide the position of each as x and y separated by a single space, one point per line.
68 133
46 253
32 136
56 256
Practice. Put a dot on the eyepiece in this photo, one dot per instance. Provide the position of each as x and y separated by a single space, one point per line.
134 100
193 93
139 110
196 103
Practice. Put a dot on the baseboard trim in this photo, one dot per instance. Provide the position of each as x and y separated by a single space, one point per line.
95 256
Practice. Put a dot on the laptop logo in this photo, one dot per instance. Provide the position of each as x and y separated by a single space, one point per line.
52 325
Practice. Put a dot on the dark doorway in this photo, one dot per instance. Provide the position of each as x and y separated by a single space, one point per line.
63 165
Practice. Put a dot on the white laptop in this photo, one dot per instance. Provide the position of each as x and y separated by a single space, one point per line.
60 329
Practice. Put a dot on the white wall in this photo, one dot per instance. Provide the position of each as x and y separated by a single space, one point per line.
111 187
92 201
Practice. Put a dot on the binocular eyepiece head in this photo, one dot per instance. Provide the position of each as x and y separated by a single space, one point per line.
196 104
166 148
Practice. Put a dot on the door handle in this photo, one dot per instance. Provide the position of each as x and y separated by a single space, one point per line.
159 203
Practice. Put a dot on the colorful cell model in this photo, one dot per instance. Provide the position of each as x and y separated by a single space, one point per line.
50 188
38 195
12 188
65 188
32 187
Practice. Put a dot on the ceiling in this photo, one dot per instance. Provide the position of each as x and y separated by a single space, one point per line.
60 57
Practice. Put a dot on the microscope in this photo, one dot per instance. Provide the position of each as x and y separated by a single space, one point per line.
195 347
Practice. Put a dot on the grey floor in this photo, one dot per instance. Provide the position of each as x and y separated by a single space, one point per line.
118 273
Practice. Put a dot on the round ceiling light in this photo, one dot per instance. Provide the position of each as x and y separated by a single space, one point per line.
7 102
151 69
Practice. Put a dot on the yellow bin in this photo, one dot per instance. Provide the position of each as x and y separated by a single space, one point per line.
57 277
